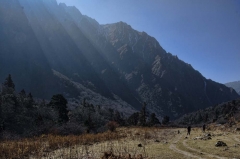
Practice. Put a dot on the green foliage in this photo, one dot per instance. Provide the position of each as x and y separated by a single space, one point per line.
143 115
219 113
165 120
199 117
153 120
17 113
91 117
21 114
59 103
8 85
89 124
133 119
118 118
9 104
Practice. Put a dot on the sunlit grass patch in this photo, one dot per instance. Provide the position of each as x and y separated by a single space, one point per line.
208 146
43 145
135 141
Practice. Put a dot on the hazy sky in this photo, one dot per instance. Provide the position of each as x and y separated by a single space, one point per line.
204 33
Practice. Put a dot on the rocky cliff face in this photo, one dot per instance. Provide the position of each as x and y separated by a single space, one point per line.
114 60
168 84
235 85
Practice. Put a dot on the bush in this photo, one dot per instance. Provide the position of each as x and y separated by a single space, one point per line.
221 121
112 125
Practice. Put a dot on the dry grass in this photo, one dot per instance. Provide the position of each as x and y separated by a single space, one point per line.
42 146
145 142
139 143
208 146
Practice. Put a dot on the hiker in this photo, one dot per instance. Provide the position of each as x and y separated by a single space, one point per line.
204 127
189 130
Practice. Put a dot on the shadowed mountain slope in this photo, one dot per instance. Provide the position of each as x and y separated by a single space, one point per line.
166 83
21 54
113 60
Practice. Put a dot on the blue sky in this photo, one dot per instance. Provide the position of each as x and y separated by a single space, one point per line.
204 33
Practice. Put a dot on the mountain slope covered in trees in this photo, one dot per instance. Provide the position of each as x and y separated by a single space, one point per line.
22 115
51 48
224 113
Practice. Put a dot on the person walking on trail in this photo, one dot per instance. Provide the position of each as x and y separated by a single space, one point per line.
188 130
204 128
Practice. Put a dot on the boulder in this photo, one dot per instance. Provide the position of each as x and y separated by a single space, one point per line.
198 138
220 143
208 135
237 129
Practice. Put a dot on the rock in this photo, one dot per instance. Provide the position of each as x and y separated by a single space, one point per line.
207 138
197 138
237 129
220 143
208 135
202 138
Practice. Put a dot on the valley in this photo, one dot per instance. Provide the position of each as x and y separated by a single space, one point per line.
72 88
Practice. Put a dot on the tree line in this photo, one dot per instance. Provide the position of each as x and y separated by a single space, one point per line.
22 115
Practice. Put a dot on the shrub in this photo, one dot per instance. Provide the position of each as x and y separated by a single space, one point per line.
112 125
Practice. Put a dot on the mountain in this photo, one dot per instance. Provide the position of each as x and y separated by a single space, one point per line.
225 113
52 48
235 85
59 49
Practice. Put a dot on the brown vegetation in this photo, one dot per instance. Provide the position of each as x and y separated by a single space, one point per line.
38 146
128 143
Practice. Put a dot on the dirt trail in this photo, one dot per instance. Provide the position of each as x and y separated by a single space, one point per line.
174 148
207 154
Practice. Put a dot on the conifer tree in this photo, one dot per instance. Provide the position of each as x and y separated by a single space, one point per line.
9 104
30 101
22 98
59 103
9 83
165 120
117 118
89 123
133 119
143 115
153 120
8 86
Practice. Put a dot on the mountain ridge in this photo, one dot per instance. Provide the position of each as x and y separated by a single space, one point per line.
235 85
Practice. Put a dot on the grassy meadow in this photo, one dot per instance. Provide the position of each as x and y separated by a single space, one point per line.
128 143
